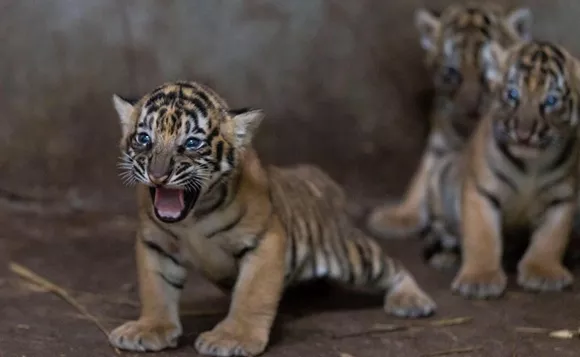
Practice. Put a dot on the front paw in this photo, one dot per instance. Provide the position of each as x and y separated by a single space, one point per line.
407 299
231 340
543 277
480 284
393 222
444 261
145 335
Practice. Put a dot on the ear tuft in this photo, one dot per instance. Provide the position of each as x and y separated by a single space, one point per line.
429 27
246 122
520 21
124 109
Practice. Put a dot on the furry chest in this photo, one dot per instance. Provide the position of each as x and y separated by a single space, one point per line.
210 256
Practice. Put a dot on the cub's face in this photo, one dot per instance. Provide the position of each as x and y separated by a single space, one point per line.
181 140
536 104
456 43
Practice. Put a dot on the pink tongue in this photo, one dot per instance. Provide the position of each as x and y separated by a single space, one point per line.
169 202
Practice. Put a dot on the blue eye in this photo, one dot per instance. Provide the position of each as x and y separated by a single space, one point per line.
451 75
143 139
550 101
193 144
513 95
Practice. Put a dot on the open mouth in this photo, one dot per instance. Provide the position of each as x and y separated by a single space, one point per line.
172 204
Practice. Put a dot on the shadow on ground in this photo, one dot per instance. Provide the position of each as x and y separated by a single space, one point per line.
91 255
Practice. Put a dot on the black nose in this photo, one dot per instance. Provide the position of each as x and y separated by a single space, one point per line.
473 114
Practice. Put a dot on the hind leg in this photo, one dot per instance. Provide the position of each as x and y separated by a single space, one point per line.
541 267
441 250
368 267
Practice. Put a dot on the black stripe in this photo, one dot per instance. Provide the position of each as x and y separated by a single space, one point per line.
432 247
223 192
363 259
565 154
555 182
171 96
229 225
244 251
503 177
205 99
154 98
212 134
193 115
346 268
436 151
559 201
425 230
234 188
159 250
377 278
292 249
176 285
312 248
257 238
230 156
160 226
368 261
219 155
199 105
489 196
518 163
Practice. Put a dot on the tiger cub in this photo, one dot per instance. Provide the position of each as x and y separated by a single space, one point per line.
453 42
205 198
520 169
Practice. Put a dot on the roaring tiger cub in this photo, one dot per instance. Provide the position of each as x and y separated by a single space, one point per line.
205 198
453 42
519 170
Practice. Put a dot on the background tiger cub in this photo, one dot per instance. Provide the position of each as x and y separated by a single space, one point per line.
453 43
520 169
205 198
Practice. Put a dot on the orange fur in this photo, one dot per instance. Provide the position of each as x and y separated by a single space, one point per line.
453 43
250 229
519 169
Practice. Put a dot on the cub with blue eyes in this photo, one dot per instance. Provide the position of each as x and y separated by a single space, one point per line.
519 170
454 43
205 199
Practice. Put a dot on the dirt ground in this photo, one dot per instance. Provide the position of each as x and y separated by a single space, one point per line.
90 255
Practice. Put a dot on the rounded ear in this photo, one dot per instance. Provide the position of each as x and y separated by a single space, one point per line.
124 109
520 21
246 122
494 59
429 27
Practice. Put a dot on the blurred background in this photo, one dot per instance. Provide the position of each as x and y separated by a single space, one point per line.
342 83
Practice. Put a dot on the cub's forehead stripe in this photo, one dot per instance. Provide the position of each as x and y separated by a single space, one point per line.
542 64
173 107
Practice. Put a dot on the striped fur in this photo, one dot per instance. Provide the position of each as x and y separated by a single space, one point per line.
520 169
253 229
455 43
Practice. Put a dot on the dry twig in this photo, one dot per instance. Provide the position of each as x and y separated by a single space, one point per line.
57 290
375 329
452 351
452 322
539 330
